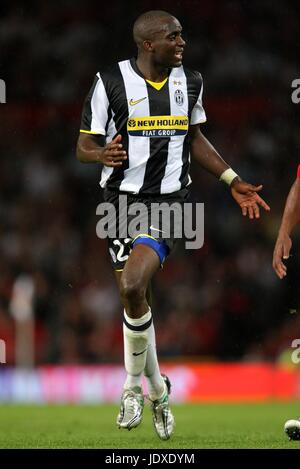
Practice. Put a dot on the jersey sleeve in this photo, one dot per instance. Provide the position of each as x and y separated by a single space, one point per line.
95 109
198 114
298 172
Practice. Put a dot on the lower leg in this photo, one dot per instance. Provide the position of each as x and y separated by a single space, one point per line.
135 347
151 367
156 386
139 269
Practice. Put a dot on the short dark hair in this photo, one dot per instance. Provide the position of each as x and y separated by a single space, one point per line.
146 25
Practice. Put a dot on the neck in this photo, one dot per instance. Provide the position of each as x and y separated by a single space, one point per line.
151 71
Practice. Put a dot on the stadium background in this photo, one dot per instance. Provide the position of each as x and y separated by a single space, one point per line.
222 303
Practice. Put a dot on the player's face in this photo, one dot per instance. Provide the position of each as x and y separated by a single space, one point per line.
168 44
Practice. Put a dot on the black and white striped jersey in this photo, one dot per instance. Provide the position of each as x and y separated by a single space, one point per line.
153 120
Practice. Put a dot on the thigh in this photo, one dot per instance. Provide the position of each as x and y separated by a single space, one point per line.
142 263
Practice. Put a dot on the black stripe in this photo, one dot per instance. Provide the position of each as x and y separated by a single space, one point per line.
116 93
109 116
86 117
159 105
194 84
184 175
143 327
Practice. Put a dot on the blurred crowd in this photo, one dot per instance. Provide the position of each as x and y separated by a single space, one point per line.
220 302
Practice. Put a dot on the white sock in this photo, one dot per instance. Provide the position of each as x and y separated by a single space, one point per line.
156 386
135 347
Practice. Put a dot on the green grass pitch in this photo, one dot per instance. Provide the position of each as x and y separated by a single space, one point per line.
197 426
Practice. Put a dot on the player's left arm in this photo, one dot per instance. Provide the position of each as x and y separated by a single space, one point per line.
244 194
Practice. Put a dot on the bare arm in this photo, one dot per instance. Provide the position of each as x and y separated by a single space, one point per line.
245 194
204 153
291 216
89 150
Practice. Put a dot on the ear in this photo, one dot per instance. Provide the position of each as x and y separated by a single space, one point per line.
148 46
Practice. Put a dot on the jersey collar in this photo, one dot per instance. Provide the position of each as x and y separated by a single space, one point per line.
137 70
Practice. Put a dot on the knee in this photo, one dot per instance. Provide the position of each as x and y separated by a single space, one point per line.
132 291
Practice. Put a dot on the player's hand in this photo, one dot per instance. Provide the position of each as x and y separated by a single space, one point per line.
113 154
281 251
246 196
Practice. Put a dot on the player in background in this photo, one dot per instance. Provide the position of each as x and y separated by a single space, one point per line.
141 120
290 218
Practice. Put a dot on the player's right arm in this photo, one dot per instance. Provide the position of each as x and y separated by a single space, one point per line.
89 150
291 216
91 145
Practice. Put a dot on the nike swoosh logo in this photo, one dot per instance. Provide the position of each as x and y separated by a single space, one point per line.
133 103
156 229
139 353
